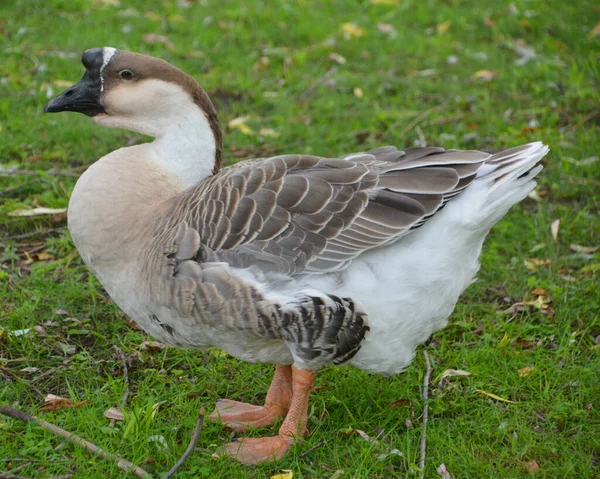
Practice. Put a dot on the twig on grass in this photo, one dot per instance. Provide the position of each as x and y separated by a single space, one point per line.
190 447
316 446
31 234
425 413
119 352
14 470
12 476
73 438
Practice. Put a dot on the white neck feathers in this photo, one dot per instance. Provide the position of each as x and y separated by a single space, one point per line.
184 143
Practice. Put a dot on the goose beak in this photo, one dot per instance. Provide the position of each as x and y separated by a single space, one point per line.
83 97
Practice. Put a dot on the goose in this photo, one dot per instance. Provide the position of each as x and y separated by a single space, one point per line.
296 260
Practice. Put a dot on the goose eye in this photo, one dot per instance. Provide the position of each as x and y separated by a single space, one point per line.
126 74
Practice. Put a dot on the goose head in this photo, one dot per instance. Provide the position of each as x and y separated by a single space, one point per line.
122 89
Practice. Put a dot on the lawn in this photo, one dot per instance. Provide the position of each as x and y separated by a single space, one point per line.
327 78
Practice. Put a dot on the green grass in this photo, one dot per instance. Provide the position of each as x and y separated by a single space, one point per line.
273 61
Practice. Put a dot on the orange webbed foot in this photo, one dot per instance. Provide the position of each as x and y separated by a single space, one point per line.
256 450
240 416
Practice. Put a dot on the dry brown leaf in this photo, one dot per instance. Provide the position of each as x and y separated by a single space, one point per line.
114 413
53 402
132 324
539 292
401 402
152 346
554 227
584 249
526 371
40 210
44 256
485 75
496 397
532 466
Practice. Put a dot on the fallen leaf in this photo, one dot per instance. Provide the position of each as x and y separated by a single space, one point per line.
40 210
44 256
532 466
454 372
554 229
485 75
152 346
443 471
21 332
239 123
53 402
286 474
494 396
30 370
539 292
526 371
132 324
393 452
401 402
443 27
595 32
350 431
156 38
525 52
358 93
388 29
351 30
114 413
337 58
270 132
584 249
533 263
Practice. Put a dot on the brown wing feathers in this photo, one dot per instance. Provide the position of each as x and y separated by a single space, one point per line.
300 213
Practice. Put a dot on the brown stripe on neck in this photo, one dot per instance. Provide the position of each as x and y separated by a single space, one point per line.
147 67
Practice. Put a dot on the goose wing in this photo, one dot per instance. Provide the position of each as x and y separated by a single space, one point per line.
302 213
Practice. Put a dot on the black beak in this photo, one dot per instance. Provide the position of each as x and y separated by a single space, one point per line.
83 97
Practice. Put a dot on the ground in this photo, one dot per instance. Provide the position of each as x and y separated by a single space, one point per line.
326 78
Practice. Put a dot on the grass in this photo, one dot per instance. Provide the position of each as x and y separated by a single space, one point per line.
445 73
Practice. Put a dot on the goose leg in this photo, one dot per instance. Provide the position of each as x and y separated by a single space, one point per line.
240 416
266 449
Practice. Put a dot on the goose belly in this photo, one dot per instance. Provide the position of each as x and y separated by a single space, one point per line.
408 289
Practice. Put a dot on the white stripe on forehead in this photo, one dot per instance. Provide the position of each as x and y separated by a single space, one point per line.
107 54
